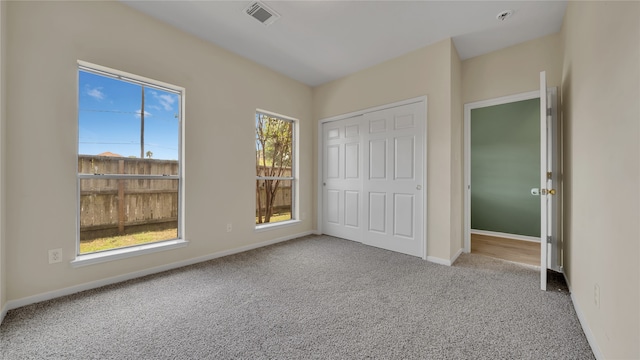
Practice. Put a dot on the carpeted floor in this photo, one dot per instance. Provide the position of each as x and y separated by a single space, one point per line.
316 297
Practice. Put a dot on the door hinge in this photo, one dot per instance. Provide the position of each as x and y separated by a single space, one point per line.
548 111
549 174
548 239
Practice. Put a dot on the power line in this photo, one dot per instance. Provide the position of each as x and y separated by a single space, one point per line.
111 111
125 143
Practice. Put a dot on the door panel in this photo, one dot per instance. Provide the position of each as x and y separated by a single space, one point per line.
403 215
333 206
352 161
377 212
404 152
352 213
378 159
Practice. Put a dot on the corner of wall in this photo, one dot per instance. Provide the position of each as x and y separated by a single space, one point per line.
457 151
3 278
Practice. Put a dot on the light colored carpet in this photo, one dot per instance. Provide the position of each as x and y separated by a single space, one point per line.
317 297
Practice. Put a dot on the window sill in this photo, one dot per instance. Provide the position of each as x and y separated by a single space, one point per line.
117 254
281 224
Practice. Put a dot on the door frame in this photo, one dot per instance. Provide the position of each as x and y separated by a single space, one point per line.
467 148
320 159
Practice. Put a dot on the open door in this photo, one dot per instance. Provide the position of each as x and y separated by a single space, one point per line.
549 239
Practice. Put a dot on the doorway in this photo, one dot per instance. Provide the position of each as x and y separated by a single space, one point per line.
502 176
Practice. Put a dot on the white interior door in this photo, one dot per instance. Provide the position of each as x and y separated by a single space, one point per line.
549 194
342 178
393 170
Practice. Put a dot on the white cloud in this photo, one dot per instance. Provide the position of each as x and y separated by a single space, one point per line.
146 114
95 93
165 100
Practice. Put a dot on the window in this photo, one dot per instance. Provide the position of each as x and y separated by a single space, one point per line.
129 160
275 169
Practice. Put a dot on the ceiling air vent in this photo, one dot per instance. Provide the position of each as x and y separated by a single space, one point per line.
262 13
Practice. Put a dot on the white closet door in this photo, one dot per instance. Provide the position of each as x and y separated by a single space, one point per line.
342 178
393 179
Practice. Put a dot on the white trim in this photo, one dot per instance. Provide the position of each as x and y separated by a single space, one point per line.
372 109
467 152
14 304
125 76
121 253
591 339
3 313
295 174
127 252
445 262
505 235
276 225
319 164
457 254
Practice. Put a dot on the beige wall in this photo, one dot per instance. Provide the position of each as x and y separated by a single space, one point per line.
512 70
600 95
426 71
45 40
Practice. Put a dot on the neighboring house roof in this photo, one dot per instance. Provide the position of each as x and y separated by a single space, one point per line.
108 153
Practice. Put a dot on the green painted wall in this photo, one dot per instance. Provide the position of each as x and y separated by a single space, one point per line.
505 165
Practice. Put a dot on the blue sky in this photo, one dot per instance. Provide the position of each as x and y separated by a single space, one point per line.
109 118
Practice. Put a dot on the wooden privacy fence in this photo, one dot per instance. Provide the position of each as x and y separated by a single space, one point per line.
110 207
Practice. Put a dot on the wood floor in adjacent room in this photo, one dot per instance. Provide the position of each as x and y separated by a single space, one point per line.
526 252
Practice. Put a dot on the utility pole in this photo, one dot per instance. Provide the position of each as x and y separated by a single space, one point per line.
142 126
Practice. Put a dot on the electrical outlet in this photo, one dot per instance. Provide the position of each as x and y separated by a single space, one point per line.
596 295
55 256
229 227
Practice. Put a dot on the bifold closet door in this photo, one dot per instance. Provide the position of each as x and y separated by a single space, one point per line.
373 178
342 178
393 179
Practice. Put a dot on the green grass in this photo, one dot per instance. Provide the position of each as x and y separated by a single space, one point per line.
114 242
278 217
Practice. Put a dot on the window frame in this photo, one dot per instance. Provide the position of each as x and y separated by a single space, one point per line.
294 178
146 248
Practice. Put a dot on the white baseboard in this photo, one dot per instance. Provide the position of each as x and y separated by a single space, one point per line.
3 313
455 257
446 262
505 235
14 304
583 322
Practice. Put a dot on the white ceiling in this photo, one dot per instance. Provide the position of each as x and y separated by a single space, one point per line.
319 41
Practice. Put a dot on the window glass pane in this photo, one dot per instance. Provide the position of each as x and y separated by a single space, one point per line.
274 144
124 120
274 159
273 201
126 127
117 213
